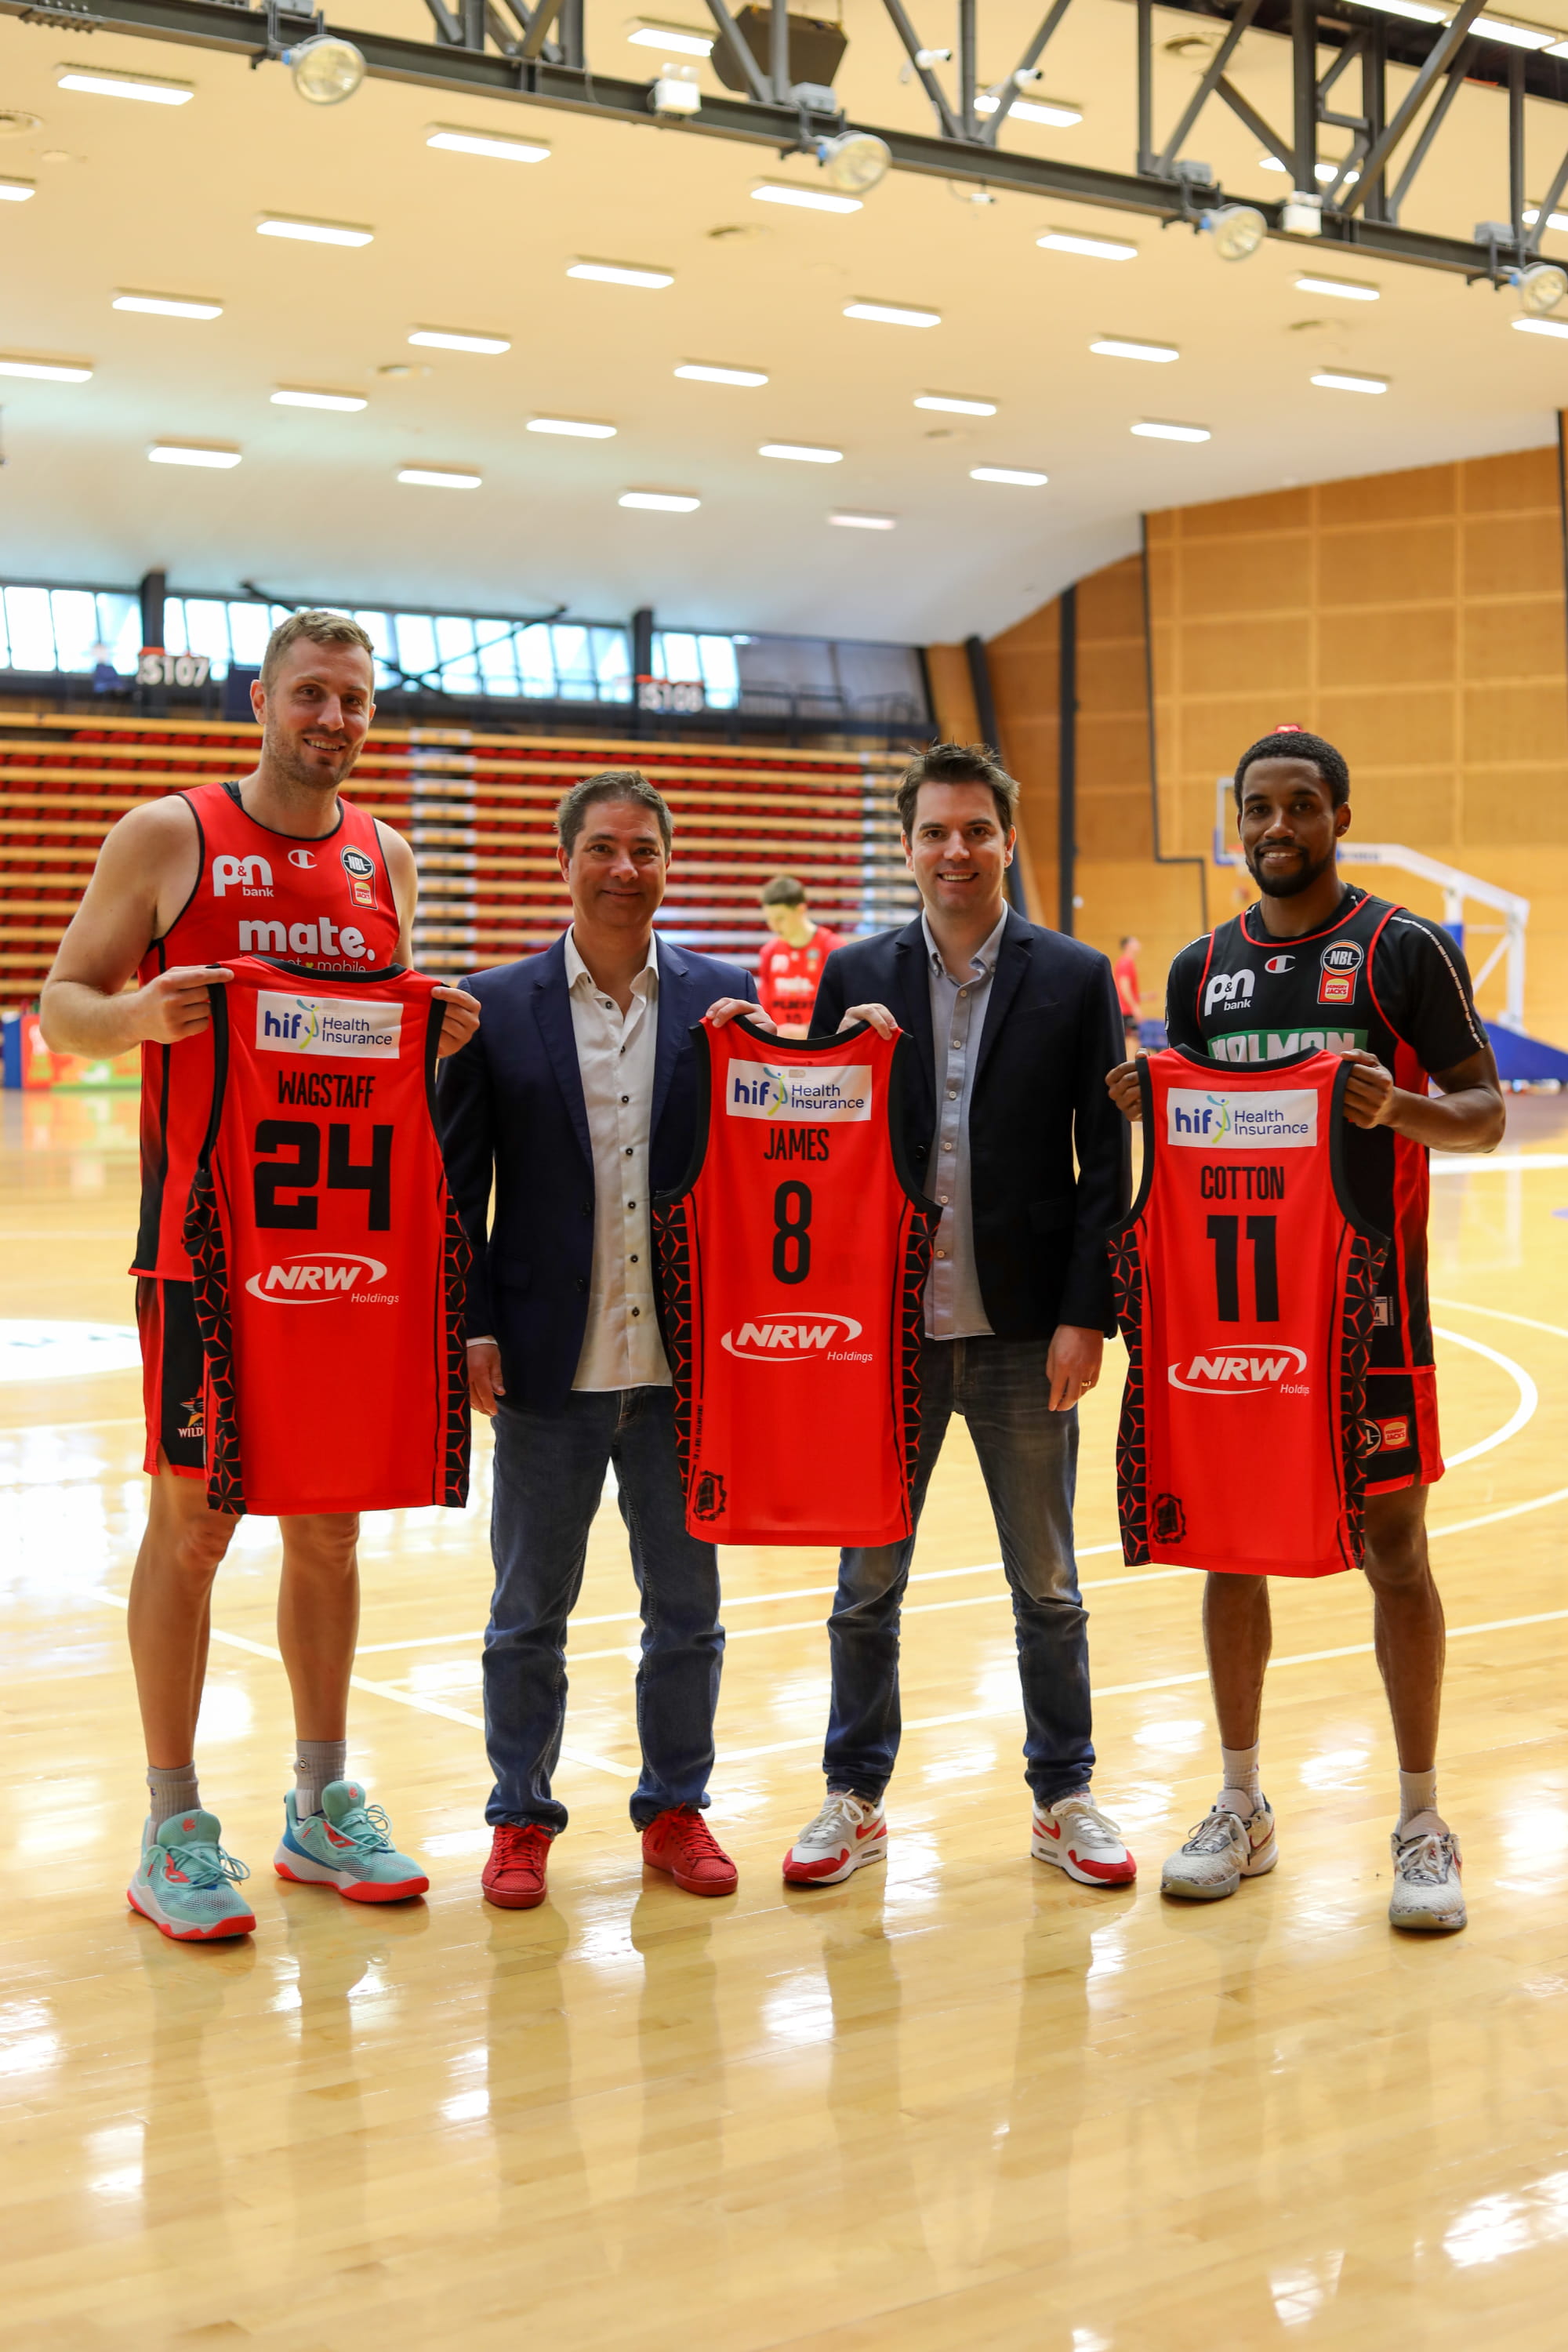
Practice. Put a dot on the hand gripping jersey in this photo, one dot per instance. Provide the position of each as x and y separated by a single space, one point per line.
327 904
792 1266
1245 1282
328 1259
788 978
1389 982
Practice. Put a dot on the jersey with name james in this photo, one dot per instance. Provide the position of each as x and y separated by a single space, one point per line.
1380 979
326 904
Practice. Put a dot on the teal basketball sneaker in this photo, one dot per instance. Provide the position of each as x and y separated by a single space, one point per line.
347 1845
187 1885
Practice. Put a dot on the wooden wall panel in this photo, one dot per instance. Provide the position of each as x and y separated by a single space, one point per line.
953 694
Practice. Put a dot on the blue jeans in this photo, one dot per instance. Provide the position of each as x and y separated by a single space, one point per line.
548 1477
1029 1456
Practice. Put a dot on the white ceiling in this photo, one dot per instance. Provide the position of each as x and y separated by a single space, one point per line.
167 200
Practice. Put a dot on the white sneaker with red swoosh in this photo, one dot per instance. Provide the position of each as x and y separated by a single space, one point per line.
848 1832
1078 1838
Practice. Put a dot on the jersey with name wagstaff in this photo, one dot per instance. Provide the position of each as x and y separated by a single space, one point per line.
792 1269
328 1259
325 903
1245 1287
1387 981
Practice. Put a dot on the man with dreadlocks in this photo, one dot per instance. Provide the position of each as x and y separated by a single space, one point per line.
1316 963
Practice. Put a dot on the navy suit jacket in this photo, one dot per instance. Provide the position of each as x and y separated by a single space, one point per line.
1052 1030
510 1111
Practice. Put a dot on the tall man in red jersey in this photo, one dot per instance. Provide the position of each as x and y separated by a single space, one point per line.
1318 962
789 968
274 864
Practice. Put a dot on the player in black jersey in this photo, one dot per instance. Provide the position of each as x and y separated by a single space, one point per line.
1317 962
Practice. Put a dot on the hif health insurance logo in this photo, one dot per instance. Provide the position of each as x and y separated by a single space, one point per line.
301 1027
1212 1122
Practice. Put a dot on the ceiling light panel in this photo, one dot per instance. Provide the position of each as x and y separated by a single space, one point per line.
620 273
440 477
1344 380
314 232
951 404
151 88
46 371
1056 114
1016 476
892 314
801 453
1514 36
1554 220
1417 10
659 501
1151 428
1122 347
847 521
1541 326
456 339
572 428
807 200
290 396
674 41
456 142
1092 249
1341 290
16 192
695 371
216 455
168 305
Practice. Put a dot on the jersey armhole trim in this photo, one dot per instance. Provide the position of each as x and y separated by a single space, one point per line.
220 1074
1146 1175
702 1059
1371 982
200 865
897 1081
1338 1174
435 1020
823 1045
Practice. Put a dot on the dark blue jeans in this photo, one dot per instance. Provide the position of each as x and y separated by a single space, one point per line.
1030 1458
549 1477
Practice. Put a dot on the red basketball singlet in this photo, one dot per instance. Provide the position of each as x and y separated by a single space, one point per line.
328 1259
792 1267
327 904
1245 1281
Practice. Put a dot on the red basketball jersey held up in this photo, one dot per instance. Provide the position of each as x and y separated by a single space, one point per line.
325 903
792 1266
328 1259
1245 1283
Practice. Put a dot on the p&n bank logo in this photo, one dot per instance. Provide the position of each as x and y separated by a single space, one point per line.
1284 1119
313 1278
829 1338
252 877
827 1094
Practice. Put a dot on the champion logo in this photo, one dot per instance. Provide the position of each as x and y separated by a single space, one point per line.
1281 963
300 857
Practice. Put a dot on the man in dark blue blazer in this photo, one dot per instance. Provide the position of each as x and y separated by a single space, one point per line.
576 1101
1006 1120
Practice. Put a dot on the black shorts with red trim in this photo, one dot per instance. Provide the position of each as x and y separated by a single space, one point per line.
1400 1443
172 1372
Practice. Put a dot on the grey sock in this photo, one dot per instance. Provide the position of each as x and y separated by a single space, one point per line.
174 1790
317 1763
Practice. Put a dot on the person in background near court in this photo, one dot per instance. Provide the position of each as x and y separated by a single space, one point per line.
1316 961
1015 1029
578 1100
276 864
1129 995
789 968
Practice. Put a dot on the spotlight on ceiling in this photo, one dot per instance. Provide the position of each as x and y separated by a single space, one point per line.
1237 230
1540 289
855 162
326 69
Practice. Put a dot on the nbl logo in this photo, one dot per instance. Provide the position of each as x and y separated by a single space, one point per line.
1339 965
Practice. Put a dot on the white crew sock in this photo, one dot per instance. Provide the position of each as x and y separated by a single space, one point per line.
1418 1794
1241 1793
317 1763
172 1789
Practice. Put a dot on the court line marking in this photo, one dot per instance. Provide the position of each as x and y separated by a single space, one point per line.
1525 1410
1463 1163
1502 1315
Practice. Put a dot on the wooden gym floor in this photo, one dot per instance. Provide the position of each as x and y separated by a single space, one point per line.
960 2103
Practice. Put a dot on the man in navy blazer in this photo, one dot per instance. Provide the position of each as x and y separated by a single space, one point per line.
1015 1029
576 1101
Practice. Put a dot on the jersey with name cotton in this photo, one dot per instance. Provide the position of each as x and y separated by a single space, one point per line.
793 1264
1246 1279
1383 981
328 1259
326 903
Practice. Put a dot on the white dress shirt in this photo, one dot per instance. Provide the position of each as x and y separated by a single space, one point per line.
954 1308
621 1347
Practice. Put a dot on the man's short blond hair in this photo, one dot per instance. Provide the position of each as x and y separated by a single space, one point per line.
320 629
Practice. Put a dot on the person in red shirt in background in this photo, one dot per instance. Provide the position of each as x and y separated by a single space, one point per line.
790 966
1129 995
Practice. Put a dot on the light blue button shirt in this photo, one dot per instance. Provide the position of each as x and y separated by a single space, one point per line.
955 1310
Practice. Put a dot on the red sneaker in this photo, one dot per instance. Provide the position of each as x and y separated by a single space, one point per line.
513 1877
682 1842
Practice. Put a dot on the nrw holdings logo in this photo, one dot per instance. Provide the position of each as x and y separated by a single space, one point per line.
312 1278
1228 1374
791 1343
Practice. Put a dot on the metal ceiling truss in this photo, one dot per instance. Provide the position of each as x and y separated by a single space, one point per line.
537 55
